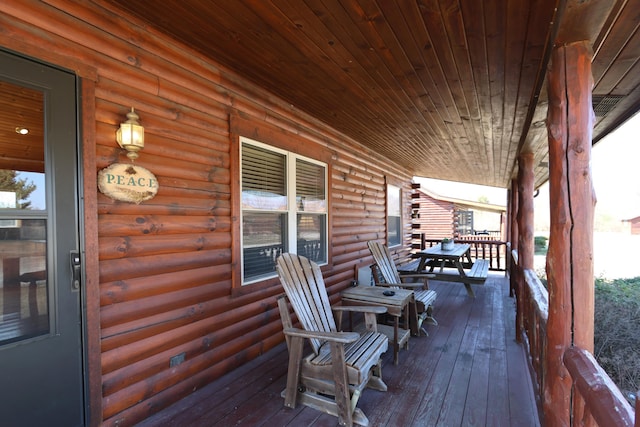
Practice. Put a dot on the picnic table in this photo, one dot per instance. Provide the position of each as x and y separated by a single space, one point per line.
459 258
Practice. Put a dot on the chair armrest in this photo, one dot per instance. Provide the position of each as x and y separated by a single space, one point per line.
360 309
370 314
386 285
410 285
339 337
417 276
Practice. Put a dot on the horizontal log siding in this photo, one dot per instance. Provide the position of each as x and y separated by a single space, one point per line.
436 217
165 266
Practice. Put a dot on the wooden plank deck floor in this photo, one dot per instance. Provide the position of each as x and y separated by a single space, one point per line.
469 371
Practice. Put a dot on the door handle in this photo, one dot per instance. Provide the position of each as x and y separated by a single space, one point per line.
75 270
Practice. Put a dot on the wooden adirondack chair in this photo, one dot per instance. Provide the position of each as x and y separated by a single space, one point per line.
342 364
385 273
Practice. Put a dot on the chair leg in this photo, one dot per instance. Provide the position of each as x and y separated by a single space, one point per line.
430 319
341 382
375 380
421 330
293 372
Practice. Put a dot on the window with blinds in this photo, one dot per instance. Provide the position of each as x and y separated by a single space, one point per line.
284 208
311 207
264 179
394 226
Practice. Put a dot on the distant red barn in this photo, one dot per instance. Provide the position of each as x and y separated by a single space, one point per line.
634 224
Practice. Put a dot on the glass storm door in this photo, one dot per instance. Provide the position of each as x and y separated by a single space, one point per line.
41 347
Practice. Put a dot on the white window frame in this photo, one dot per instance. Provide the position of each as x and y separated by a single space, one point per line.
392 210
291 210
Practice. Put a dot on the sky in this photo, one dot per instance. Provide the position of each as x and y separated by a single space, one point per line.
616 171
615 166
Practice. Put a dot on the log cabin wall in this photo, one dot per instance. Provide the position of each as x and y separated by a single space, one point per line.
436 217
162 283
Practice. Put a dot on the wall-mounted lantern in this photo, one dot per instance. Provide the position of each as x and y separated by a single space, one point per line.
128 182
130 135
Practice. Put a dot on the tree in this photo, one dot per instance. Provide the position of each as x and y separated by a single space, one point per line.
9 181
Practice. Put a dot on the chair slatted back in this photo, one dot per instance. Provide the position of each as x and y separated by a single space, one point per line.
384 260
303 283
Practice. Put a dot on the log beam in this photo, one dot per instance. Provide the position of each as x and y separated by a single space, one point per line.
572 200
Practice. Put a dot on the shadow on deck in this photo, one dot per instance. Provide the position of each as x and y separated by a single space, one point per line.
469 371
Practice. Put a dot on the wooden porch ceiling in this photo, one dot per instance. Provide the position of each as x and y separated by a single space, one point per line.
453 89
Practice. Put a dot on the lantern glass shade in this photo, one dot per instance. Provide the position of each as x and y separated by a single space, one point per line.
130 135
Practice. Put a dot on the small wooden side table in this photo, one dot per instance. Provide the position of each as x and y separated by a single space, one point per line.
401 300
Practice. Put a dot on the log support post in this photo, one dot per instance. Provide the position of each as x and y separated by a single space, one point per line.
513 238
525 233
572 200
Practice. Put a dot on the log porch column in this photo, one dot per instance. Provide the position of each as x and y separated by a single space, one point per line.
572 200
526 180
513 238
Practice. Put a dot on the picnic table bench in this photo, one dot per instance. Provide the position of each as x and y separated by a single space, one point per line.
458 258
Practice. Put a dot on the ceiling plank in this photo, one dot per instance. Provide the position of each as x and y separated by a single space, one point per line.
450 89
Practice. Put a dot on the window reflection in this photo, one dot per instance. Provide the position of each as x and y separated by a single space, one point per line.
22 159
311 230
24 299
394 224
263 241
21 190
23 280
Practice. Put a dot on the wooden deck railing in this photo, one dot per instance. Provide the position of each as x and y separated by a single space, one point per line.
481 248
604 404
536 316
